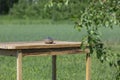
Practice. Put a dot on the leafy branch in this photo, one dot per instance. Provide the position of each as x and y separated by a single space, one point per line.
101 13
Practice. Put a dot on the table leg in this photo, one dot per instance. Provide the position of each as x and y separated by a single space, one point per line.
87 66
54 67
19 65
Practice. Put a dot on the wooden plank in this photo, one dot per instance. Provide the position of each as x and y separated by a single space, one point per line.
7 52
54 67
36 52
88 66
19 65
38 44
51 53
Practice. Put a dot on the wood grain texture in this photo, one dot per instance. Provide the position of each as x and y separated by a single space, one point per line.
54 67
51 51
19 65
88 63
38 44
8 52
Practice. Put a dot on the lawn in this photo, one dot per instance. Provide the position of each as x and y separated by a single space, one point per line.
69 67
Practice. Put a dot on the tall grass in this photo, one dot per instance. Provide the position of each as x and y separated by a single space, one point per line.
69 67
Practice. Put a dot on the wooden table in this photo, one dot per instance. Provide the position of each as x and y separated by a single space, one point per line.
20 49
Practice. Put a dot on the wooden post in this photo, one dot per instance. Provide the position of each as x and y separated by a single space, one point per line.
88 66
19 65
54 67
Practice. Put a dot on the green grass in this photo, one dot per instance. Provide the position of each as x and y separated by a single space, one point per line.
7 19
69 67
38 32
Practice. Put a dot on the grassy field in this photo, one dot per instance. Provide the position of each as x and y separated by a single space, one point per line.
69 67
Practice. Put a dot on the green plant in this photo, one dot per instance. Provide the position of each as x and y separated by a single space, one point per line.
101 13
48 9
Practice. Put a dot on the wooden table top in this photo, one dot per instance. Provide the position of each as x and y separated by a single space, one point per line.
38 45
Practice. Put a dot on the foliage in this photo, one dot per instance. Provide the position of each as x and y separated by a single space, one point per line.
102 13
5 5
48 9
26 9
